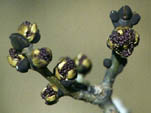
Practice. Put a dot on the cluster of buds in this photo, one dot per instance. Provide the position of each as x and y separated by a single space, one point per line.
67 69
50 94
124 17
23 57
68 74
123 40
26 35
18 61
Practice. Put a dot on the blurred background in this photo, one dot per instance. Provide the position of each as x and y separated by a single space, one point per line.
69 27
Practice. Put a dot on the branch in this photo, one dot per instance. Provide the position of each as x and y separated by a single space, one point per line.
67 78
100 94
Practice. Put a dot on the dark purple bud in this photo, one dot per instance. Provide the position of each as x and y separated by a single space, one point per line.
123 40
50 94
66 69
107 62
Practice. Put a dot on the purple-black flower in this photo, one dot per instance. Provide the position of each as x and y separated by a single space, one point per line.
123 40
29 31
41 57
83 63
49 94
17 60
66 69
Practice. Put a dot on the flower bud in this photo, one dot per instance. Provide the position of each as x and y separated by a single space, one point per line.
107 62
125 12
18 41
83 63
29 31
66 69
18 61
23 65
41 57
123 40
50 94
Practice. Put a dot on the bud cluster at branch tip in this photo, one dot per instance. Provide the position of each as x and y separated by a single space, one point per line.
123 40
26 35
124 17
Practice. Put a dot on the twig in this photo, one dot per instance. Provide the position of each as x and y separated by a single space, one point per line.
63 81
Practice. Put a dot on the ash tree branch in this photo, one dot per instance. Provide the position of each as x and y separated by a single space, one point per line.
100 94
63 81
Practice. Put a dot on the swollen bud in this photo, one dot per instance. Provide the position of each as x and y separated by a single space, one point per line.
65 69
50 94
41 57
29 31
18 61
107 62
123 40
83 64
18 41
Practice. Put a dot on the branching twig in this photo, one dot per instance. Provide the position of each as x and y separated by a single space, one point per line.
67 79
